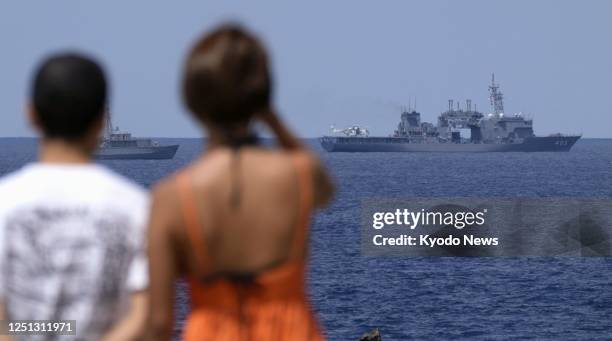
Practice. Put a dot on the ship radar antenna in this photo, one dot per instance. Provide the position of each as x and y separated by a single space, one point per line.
496 96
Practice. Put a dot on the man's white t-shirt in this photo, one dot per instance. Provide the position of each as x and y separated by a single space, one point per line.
71 245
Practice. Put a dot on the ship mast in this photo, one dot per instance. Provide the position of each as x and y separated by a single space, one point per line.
108 123
496 97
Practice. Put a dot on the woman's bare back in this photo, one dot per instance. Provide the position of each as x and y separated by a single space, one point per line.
248 204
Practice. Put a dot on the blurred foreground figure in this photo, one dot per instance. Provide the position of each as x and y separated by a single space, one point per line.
72 232
235 222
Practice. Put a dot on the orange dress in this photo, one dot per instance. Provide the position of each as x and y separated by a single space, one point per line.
269 306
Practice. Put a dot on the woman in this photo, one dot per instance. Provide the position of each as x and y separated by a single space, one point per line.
235 222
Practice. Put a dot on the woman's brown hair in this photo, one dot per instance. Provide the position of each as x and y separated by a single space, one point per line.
226 78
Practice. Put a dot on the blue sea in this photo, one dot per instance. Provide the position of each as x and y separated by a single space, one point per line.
434 298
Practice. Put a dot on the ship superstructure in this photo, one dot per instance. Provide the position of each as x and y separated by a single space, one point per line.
457 130
116 144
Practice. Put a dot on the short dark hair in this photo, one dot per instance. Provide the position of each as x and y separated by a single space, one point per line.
69 93
226 78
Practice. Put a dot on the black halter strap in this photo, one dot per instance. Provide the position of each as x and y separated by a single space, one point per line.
235 144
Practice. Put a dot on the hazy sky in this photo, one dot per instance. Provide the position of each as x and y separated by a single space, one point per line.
335 62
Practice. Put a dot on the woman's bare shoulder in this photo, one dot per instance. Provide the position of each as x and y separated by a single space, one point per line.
168 185
166 192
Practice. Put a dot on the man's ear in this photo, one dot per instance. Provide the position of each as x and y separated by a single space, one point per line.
32 116
98 126
94 132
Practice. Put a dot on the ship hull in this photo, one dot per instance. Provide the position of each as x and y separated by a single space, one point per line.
136 153
401 144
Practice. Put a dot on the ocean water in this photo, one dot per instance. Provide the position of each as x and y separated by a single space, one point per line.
434 298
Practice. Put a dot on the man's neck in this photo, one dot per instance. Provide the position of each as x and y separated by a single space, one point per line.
60 151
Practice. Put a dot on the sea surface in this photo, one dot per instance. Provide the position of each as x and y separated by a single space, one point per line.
434 298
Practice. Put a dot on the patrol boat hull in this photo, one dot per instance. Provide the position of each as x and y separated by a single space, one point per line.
136 153
402 144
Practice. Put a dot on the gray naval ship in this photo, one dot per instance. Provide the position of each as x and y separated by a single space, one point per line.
118 145
457 130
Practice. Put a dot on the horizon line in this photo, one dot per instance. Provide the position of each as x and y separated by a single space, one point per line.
264 137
